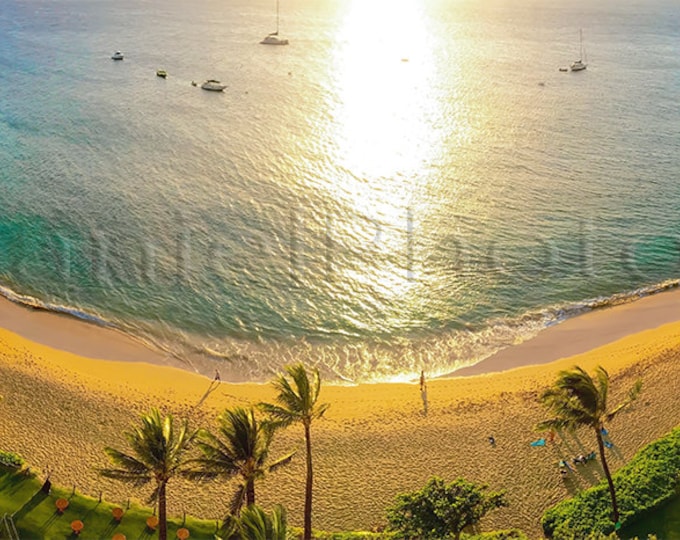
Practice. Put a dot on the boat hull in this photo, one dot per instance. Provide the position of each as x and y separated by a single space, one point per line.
274 40
213 86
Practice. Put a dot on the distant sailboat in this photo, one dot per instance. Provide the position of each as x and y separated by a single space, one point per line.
580 65
273 38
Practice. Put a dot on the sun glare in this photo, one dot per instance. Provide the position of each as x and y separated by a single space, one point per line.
383 75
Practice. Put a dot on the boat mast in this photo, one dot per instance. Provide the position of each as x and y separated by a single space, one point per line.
277 17
580 32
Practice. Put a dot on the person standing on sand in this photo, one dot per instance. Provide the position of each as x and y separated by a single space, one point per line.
423 391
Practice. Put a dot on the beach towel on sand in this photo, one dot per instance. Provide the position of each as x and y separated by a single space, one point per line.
539 442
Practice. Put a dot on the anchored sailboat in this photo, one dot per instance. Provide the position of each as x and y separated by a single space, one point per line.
580 64
273 38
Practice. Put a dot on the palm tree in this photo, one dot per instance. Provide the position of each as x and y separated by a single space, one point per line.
158 450
255 524
297 402
240 448
575 400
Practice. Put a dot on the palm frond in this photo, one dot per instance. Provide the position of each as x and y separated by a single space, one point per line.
282 461
237 500
126 462
254 524
633 394
157 450
280 417
574 400
278 523
321 409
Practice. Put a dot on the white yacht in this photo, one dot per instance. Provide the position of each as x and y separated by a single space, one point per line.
117 56
212 84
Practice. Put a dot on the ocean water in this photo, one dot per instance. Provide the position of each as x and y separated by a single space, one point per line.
408 185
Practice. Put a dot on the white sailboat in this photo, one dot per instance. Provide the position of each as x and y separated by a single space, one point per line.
580 64
273 38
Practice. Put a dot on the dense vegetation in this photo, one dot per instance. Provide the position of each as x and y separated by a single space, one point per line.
648 481
442 510
11 460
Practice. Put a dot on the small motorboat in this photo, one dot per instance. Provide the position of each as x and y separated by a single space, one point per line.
117 56
161 73
214 85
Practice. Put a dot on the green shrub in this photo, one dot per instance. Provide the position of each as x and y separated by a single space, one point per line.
512 534
11 460
647 482
353 536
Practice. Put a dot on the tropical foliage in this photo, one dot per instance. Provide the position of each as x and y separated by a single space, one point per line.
158 452
577 400
296 402
648 481
255 524
240 448
11 460
441 510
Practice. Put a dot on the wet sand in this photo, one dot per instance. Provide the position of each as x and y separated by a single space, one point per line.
59 410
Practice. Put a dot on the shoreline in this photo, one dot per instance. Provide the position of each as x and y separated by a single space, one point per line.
575 335
59 410
70 334
583 333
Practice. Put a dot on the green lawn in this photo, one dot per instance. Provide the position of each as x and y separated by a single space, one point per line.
36 516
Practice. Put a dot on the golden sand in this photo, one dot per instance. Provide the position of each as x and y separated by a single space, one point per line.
59 410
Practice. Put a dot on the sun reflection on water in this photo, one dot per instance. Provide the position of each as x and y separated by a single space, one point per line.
383 71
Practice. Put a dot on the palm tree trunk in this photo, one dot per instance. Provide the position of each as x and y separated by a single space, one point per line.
250 492
162 516
308 485
605 467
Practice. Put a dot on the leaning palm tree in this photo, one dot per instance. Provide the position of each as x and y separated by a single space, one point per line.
240 448
158 454
297 402
575 400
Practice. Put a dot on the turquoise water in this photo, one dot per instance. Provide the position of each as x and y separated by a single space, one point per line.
406 185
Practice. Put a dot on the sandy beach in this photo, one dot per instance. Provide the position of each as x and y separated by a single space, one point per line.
59 410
